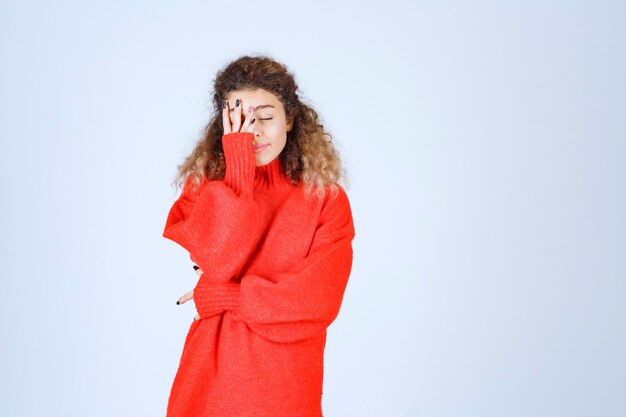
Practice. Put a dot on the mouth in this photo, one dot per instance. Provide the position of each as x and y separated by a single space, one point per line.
259 148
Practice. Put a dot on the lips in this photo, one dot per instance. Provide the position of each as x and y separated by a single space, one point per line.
257 148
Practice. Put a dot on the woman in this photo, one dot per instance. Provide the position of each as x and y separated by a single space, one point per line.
270 230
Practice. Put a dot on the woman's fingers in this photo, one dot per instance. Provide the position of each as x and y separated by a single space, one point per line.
226 117
185 298
199 272
188 296
235 116
248 124
236 119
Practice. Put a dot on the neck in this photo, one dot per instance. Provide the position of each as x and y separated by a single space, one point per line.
270 175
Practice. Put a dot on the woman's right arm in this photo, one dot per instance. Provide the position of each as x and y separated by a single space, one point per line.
217 222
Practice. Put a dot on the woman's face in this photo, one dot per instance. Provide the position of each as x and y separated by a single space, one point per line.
271 125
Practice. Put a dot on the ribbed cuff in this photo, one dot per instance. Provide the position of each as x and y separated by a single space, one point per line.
240 162
213 297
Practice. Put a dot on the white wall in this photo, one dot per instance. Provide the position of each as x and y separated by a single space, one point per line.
486 148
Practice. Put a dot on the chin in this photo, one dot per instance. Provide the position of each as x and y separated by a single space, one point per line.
263 161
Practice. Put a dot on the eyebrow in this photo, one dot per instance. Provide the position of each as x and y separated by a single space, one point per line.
263 106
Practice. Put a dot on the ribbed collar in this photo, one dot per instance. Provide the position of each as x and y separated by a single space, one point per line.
271 175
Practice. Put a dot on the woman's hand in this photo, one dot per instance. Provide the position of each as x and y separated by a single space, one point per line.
231 117
188 296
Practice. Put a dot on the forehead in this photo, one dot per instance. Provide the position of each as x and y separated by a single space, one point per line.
255 97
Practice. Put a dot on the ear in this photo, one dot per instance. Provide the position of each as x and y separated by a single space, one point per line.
290 123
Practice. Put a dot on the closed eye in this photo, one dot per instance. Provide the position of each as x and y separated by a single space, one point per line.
267 118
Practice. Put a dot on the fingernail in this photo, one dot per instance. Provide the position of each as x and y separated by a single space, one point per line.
177 302
252 121
237 103
196 267
224 104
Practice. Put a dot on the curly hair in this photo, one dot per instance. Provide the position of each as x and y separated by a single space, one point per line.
309 155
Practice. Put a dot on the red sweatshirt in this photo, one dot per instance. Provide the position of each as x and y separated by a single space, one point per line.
276 264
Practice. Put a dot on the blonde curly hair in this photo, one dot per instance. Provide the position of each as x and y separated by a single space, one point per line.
309 155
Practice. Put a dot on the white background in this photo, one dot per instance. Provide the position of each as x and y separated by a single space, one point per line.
486 149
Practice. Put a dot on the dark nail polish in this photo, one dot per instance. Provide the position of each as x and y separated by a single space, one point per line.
237 103
196 267
252 121
177 303
224 104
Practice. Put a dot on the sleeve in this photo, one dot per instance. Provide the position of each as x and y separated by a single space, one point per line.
209 221
299 303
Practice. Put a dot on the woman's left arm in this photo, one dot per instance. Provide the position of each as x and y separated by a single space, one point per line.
299 303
